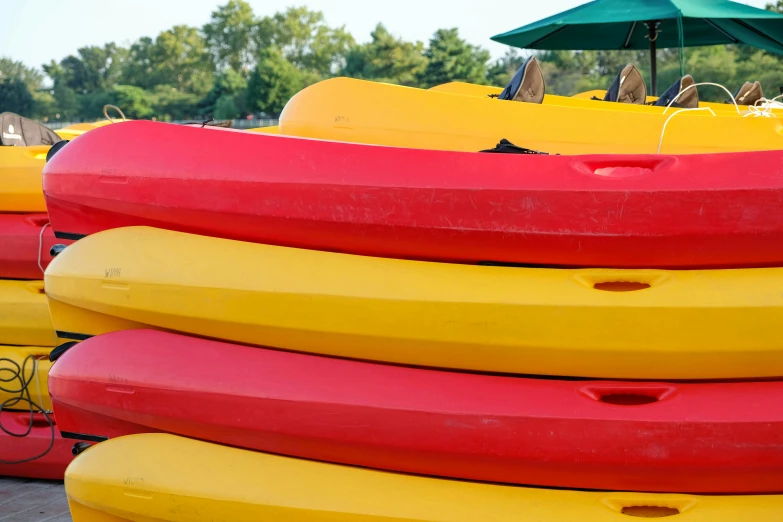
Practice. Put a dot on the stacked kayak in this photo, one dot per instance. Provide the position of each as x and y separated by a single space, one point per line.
651 211
578 434
30 443
163 477
435 334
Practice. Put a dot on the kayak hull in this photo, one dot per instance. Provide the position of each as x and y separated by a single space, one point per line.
592 211
346 109
22 239
24 314
160 477
50 466
622 324
20 179
708 438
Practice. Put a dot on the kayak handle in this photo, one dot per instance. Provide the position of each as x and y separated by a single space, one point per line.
648 506
621 280
628 394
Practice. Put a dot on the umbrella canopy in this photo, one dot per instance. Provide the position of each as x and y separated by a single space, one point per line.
642 24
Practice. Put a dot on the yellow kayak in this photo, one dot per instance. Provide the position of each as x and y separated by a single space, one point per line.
34 374
645 324
161 477
266 130
359 111
20 178
24 314
77 129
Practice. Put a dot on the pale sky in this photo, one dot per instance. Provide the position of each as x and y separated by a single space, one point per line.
36 31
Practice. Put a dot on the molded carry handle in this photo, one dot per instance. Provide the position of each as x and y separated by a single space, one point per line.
621 280
628 394
624 166
648 506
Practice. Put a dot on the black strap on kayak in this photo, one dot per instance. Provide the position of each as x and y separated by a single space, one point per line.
54 149
506 147
57 352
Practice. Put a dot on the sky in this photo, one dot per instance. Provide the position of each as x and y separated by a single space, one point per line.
37 31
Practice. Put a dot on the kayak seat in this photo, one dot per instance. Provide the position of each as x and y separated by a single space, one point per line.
527 85
749 93
628 87
16 131
689 100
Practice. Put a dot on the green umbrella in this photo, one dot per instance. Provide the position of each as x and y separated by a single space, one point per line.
642 24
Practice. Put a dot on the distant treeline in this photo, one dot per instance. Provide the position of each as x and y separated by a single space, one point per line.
240 64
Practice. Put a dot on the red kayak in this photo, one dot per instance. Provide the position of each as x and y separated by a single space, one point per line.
697 438
50 465
21 239
716 210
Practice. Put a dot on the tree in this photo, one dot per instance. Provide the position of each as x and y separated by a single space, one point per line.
9 68
777 6
305 40
229 35
274 81
66 103
386 59
16 97
230 84
453 59
134 101
178 58
94 69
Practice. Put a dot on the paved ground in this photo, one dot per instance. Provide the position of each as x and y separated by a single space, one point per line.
25 500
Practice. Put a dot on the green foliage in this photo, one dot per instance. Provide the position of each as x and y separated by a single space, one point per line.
239 64
16 97
274 81
228 84
225 108
9 69
453 59
229 34
386 59
134 101
93 69
178 58
305 40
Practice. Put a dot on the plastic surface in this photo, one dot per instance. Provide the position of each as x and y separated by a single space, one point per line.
160 477
20 179
36 372
77 129
708 438
50 466
645 324
20 237
345 109
616 211
24 314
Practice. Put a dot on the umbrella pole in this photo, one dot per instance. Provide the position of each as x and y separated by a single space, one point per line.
653 36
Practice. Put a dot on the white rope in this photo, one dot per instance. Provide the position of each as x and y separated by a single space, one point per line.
40 248
763 107
663 131
736 106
